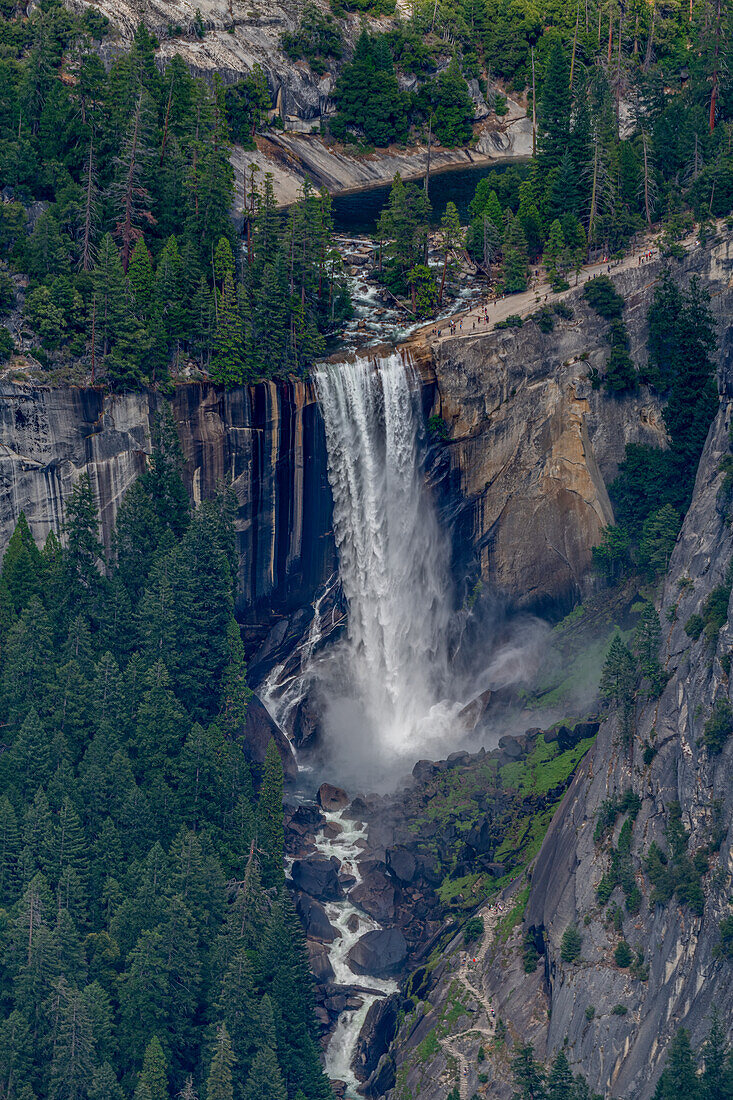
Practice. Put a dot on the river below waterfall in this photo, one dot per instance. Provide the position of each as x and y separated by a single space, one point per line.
351 924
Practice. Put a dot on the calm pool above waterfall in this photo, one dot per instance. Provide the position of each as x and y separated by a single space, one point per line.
358 212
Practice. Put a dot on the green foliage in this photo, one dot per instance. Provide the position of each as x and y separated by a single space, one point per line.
627 801
530 954
246 104
132 850
403 226
317 39
714 612
602 296
623 955
718 727
571 944
7 344
447 101
725 946
132 166
368 96
512 321
438 430
619 1010
612 558
674 871
682 337
473 930
515 270
618 683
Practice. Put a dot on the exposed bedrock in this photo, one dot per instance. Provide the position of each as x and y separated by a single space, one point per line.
264 440
533 445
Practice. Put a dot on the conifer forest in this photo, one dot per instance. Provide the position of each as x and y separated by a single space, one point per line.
366 550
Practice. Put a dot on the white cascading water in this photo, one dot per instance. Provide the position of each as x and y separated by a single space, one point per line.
394 561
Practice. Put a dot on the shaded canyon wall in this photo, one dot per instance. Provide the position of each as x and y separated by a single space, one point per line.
265 440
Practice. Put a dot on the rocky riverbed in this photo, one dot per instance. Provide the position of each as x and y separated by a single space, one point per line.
379 880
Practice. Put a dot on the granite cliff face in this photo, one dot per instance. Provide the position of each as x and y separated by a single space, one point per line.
533 445
264 440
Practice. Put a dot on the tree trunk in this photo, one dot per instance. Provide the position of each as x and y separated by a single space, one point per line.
430 141
534 109
442 281
647 206
575 46
86 251
650 40
127 223
94 336
167 119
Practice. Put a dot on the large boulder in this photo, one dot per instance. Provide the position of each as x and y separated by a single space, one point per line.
402 863
257 731
375 894
376 1034
480 837
315 922
380 953
318 877
320 963
331 798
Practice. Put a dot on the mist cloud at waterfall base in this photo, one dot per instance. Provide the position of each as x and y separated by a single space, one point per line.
490 651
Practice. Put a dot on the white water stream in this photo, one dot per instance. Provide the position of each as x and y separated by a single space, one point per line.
351 924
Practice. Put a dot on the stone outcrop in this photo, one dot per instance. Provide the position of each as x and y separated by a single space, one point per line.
533 444
686 976
266 441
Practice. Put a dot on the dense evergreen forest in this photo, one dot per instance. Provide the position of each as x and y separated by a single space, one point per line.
129 258
148 946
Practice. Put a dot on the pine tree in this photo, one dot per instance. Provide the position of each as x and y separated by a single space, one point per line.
553 114
22 567
83 548
618 683
528 1075
451 238
555 254
560 1084
679 1078
219 1081
9 852
154 1072
226 364
717 1078
516 268
647 637
265 1078
73 1051
270 829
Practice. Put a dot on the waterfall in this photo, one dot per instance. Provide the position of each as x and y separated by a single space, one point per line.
387 679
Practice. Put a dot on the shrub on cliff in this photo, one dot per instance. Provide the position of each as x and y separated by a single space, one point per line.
570 945
718 727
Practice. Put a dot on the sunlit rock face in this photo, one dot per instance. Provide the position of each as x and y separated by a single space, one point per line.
533 445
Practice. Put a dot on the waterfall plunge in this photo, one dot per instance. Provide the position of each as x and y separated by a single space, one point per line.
386 681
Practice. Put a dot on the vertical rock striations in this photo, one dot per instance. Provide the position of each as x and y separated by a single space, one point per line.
264 440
